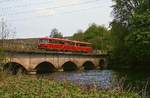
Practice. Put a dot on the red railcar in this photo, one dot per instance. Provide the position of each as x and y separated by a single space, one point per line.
59 44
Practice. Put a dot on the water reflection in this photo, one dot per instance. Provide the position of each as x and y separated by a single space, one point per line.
100 78
105 79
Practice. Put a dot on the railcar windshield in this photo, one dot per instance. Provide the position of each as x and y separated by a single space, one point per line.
43 41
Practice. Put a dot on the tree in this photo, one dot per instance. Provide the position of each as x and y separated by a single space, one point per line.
78 36
95 34
139 40
56 34
131 27
124 10
5 33
99 36
119 51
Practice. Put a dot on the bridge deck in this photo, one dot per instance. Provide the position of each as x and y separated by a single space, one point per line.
56 53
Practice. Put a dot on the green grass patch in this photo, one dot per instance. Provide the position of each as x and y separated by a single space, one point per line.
33 87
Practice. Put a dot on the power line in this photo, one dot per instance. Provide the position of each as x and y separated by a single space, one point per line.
6 1
25 5
49 8
7 8
66 12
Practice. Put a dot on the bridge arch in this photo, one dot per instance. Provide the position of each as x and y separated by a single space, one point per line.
89 65
45 67
69 66
14 68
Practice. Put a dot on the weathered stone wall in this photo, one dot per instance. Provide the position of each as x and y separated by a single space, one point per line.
30 61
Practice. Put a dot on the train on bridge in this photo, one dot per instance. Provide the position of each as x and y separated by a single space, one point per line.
60 44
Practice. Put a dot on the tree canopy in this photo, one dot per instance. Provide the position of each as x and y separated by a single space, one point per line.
5 31
56 34
130 31
95 34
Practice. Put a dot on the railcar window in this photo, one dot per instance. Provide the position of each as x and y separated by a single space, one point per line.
77 44
61 42
66 43
73 44
51 41
43 41
84 45
56 42
80 44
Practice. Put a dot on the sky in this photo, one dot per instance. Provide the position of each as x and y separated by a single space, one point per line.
36 18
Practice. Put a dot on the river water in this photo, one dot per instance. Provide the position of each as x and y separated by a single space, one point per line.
106 79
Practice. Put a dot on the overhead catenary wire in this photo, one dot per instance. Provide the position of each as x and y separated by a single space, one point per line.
66 12
8 1
25 5
49 8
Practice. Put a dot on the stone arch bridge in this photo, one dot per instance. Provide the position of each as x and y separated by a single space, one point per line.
46 62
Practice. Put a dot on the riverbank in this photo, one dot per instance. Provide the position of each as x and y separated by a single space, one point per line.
36 87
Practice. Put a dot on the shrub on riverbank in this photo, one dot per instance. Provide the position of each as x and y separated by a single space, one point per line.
33 87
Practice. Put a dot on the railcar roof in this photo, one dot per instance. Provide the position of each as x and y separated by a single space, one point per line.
65 40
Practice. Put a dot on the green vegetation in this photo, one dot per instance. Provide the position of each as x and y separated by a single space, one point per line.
97 35
128 40
130 33
37 87
56 34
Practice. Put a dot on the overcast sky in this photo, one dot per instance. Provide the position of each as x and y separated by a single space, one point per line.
36 18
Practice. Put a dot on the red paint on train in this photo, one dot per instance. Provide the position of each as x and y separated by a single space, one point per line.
59 44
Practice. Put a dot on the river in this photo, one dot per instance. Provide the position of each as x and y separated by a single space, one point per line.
106 79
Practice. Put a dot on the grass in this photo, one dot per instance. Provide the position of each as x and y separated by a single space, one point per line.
33 87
